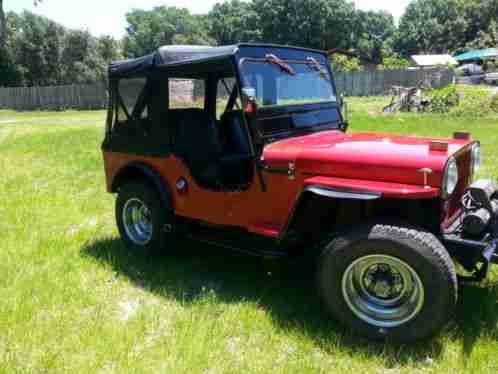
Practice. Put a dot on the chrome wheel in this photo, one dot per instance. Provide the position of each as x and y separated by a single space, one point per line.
137 221
383 291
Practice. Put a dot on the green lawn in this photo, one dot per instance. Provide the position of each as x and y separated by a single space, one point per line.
73 300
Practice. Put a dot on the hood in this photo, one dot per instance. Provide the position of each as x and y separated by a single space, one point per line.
367 156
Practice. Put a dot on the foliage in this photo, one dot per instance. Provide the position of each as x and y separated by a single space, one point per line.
443 99
447 26
432 26
41 52
148 29
373 34
340 62
494 103
394 62
3 26
486 38
463 101
233 22
323 24
474 102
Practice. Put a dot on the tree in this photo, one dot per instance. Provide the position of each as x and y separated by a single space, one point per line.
432 26
487 38
481 15
41 52
148 29
322 24
232 22
37 49
109 48
3 26
3 23
340 62
394 62
374 34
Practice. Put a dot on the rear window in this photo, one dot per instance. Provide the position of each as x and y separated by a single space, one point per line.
186 93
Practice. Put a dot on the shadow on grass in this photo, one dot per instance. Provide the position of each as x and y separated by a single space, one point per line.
476 316
285 290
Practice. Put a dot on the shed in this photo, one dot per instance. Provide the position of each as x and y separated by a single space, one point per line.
433 60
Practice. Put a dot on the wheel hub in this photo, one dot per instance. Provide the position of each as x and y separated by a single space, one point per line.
383 281
137 221
382 290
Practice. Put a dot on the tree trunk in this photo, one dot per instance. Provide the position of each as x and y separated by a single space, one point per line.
2 25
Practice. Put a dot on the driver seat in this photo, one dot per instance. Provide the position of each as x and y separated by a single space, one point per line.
198 143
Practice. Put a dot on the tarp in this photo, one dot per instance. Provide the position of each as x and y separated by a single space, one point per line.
480 54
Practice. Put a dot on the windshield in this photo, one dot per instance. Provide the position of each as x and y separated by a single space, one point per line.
280 83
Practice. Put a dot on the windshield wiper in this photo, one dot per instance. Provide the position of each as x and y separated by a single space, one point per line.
272 59
312 62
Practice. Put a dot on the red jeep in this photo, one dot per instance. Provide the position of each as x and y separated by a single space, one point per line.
246 147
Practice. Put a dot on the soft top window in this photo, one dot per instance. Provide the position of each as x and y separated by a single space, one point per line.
186 93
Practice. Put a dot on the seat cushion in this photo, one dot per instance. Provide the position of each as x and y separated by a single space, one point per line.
237 140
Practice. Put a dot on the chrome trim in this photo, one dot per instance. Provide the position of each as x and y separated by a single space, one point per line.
137 221
342 193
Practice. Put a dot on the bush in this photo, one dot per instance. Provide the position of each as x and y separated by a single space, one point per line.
461 101
494 103
475 101
442 100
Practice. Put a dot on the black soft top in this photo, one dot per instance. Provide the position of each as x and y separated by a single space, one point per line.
175 55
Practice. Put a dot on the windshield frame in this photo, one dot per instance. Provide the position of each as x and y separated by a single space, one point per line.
304 61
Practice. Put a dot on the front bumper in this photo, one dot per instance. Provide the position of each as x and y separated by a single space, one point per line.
474 252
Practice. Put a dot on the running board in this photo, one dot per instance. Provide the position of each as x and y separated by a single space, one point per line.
233 246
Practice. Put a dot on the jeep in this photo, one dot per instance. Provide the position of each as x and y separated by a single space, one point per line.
246 147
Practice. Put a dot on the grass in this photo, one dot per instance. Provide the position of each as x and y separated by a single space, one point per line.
73 300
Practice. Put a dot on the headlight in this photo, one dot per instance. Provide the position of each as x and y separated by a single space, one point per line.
476 158
450 179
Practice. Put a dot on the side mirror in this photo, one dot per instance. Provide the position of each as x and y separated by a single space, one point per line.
343 104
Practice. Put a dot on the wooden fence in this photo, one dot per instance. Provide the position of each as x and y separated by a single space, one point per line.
379 82
87 96
94 96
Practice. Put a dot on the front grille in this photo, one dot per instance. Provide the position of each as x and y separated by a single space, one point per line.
453 204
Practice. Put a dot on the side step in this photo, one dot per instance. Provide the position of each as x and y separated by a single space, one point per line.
238 241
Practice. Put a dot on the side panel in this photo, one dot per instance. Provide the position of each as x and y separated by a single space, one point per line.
261 212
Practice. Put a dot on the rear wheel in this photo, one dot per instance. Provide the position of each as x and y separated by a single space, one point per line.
386 281
144 220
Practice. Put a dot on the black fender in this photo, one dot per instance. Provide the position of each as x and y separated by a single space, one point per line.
325 193
138 169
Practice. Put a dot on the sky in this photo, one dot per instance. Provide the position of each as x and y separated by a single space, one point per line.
108 16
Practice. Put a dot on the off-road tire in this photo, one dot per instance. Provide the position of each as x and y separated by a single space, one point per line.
162 240
421 250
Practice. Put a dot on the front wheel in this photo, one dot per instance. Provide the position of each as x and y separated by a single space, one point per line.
386 281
